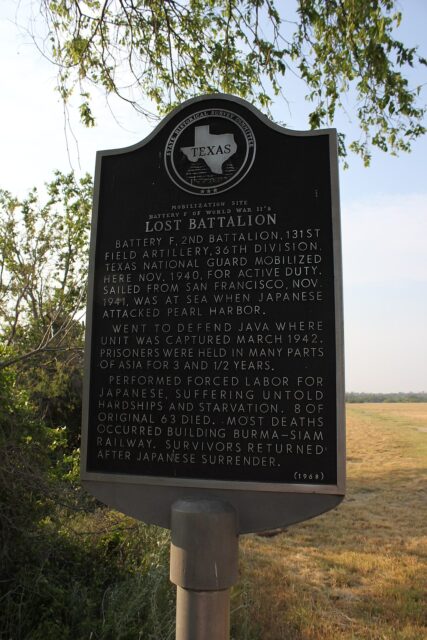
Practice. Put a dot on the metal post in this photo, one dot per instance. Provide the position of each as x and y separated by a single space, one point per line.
204 555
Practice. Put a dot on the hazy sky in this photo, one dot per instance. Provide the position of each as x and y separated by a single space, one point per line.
384 208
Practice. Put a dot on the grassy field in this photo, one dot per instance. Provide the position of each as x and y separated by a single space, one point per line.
359 572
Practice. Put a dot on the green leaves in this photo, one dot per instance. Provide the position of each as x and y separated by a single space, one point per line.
350 46
43 273
168 51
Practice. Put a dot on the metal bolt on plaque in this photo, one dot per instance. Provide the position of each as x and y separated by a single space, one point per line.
214 378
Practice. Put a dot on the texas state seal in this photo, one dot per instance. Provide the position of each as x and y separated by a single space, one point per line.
210 151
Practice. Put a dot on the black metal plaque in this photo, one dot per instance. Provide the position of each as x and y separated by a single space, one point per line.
214 350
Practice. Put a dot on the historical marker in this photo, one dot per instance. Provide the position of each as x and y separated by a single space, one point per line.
214 344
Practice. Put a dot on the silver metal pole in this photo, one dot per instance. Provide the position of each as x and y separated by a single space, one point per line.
204 557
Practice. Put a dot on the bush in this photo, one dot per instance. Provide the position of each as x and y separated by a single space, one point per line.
68 569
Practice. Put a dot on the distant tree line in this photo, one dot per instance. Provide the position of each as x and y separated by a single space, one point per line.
386 397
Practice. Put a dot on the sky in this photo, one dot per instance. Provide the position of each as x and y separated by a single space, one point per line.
383 208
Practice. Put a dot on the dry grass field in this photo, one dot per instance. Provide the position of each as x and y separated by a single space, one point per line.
358 572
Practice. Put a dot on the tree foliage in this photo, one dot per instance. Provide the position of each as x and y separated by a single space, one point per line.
43 258
167 51
69 570
43 273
